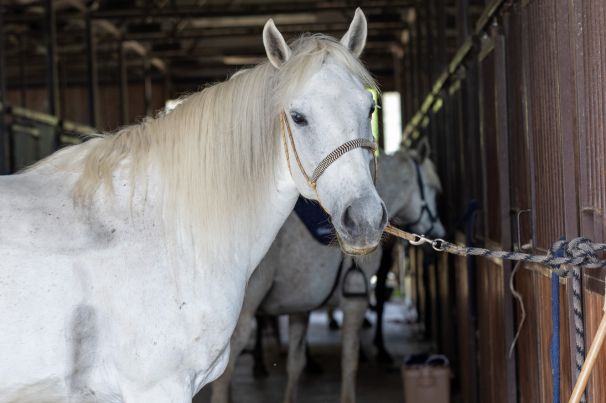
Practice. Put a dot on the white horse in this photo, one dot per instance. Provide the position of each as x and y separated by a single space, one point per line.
124 260
299 274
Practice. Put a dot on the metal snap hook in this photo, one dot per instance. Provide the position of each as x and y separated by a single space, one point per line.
420 240
438 245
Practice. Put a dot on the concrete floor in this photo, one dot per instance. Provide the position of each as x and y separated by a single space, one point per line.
376 382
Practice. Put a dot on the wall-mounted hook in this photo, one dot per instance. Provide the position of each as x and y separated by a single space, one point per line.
518 243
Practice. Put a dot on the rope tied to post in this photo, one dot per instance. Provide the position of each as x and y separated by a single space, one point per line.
563 257
580 252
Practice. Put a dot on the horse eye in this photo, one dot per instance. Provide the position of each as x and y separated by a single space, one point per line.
298 119
372 110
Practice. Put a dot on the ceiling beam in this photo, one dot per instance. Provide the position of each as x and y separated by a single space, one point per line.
259 9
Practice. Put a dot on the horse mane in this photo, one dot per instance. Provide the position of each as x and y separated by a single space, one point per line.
216 152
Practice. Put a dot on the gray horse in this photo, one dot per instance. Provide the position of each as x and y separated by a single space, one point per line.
299 274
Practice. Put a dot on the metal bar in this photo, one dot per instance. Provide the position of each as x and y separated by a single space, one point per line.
428 48
234 10
249 10
464 53
4 134
91 70
502 134
398 86
147 86
461 54
39 117
374 29
167 84
414 79
408 83
419 60
52 76
490 10
77 127
123 84
22 72
409 58
433 52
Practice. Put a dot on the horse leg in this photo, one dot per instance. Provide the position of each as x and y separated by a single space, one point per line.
259 368
297 331
354 310
380 296
220 387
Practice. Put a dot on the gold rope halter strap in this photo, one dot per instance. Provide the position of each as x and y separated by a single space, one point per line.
329 159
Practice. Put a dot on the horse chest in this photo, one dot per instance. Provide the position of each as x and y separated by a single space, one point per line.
186 330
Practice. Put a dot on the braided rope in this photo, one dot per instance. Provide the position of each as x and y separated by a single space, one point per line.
579 326
578 252
338 152
329 159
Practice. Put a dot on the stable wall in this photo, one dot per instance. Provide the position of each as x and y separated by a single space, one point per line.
521 133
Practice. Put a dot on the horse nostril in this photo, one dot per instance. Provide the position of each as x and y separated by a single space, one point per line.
346 219
384 215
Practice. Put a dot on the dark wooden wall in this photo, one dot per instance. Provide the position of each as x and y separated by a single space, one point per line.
517 128
75 103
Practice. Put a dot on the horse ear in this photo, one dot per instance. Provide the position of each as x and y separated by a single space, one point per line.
276 48
355 37
423 150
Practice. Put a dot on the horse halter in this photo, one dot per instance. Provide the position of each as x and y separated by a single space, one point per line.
329 159
433 218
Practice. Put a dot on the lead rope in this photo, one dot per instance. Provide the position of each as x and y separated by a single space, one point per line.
579 253
579 326
578 392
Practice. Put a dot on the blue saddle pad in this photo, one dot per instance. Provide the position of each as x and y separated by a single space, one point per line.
316 220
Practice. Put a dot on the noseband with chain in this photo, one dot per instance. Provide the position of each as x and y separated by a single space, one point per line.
328 160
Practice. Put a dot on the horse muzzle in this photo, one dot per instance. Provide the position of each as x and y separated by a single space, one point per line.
360 225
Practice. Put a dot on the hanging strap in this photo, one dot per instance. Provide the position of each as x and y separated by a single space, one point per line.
355 294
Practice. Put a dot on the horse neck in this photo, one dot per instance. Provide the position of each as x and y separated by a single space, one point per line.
250 232
264 225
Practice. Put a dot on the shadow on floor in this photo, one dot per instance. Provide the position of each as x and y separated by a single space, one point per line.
376 382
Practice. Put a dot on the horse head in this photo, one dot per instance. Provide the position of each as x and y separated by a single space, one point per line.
325 111
410 187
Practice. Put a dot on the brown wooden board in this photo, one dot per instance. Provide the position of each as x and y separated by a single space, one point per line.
433 301
526 347
590 78
550 83
467 368
491 332
447 334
